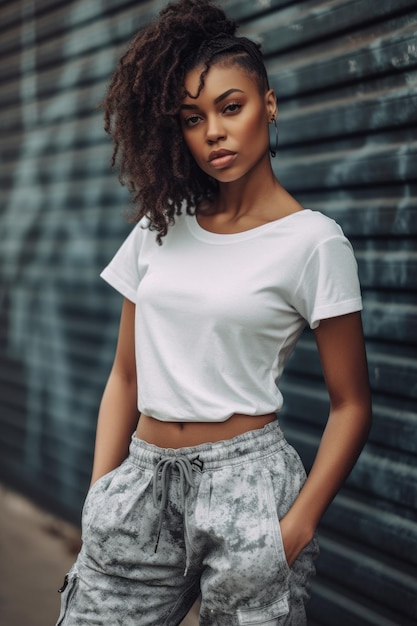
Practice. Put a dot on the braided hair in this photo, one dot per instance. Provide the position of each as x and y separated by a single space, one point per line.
142 104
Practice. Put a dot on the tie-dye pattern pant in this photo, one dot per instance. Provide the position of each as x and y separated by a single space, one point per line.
169 524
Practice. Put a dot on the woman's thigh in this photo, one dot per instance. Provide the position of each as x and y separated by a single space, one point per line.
245 578
119 577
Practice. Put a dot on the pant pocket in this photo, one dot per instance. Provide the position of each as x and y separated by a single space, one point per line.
89 508
275 524
120 520
264 615
67 592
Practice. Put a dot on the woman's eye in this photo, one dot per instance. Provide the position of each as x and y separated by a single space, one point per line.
192 120
232 107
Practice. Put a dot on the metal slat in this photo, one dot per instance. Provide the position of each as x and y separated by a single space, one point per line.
390 320
388 269
64 135
332 605
11 11
394 426
380 471
358 569
91 68
346 62
314 20
77 163
92 36
52 108
366 522
384 104
392 369
382 211
358 161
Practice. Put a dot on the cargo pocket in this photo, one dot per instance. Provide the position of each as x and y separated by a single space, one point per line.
265 615
67 592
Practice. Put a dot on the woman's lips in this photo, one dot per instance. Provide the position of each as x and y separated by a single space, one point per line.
219 159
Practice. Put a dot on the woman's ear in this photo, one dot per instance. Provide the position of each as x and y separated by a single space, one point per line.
271 104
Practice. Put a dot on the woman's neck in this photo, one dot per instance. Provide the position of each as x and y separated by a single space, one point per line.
243 205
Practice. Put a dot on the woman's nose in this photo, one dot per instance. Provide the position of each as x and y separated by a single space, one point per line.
215 130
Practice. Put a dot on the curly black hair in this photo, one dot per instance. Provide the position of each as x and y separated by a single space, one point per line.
143 101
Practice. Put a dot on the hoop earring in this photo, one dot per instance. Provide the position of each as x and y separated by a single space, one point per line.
273 137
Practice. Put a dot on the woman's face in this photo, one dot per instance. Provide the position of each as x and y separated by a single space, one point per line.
226 127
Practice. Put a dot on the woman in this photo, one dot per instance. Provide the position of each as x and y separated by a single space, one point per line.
219 278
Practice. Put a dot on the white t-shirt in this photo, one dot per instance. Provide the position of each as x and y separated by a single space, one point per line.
217 315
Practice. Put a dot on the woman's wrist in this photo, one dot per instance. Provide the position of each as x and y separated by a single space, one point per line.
296 535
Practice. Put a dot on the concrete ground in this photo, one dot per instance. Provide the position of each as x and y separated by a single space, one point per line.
36 551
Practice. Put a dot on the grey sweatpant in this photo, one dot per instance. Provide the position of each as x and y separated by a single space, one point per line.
169 524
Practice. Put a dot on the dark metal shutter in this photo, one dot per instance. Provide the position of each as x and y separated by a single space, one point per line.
346 76
61 220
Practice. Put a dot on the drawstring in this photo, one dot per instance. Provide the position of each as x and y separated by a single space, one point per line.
162 471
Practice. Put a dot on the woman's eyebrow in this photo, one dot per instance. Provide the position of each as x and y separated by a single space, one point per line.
225 94
216 100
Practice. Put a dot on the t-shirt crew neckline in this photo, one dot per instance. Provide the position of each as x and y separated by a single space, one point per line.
225 238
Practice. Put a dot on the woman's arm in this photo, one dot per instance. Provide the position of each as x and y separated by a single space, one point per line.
342 354
118 414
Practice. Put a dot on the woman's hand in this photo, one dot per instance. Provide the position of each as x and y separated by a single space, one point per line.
295 537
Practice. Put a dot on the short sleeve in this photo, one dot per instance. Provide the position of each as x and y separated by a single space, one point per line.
123 272
329 284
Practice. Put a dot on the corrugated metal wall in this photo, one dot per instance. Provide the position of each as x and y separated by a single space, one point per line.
345 72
